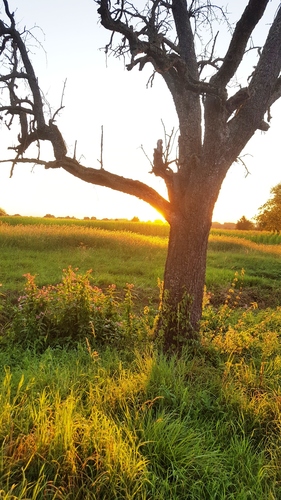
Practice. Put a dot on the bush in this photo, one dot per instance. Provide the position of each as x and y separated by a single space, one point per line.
73 310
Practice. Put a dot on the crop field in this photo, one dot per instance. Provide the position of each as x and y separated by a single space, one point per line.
90 407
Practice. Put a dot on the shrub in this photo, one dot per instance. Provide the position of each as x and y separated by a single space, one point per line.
73 310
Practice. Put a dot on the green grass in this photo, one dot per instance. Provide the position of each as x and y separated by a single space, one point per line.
105 427
125 256
117 257
122 421
260 237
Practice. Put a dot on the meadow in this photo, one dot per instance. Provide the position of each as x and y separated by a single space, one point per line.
90 408
123 252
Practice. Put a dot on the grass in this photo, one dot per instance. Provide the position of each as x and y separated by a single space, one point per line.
138 427
260 237
123 256
114 257
146 228
96 420
261 263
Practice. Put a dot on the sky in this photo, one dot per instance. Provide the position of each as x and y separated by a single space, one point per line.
66 46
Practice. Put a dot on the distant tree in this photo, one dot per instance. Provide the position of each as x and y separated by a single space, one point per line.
2 211
135 219
179 39
244 224
269 216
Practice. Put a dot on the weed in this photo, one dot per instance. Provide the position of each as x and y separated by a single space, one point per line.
71 311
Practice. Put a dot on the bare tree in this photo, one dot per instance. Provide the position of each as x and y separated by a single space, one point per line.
213 126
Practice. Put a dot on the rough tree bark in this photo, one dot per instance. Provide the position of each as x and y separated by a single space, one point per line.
209 141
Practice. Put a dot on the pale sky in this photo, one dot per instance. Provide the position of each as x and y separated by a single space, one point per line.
100 92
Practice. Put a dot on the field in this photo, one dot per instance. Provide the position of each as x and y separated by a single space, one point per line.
108 416
131 252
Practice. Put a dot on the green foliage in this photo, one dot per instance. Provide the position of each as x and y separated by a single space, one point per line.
73 310
269 216
244 224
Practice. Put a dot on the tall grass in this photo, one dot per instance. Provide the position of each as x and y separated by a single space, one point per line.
117 257
141 426
145 228
45 237
260 237
246 240
122 257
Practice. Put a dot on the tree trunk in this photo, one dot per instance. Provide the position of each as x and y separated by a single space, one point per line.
184 278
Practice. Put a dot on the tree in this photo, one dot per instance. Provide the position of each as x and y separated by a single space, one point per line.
244 224
269 217
216 120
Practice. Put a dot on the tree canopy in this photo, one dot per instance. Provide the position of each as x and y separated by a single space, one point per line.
269 216
244 224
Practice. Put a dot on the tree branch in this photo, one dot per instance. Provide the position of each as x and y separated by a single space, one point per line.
245 26
265 85
237 100
104 178
185 36
276 94
101 177
16 110
16 74
32 79
136 46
